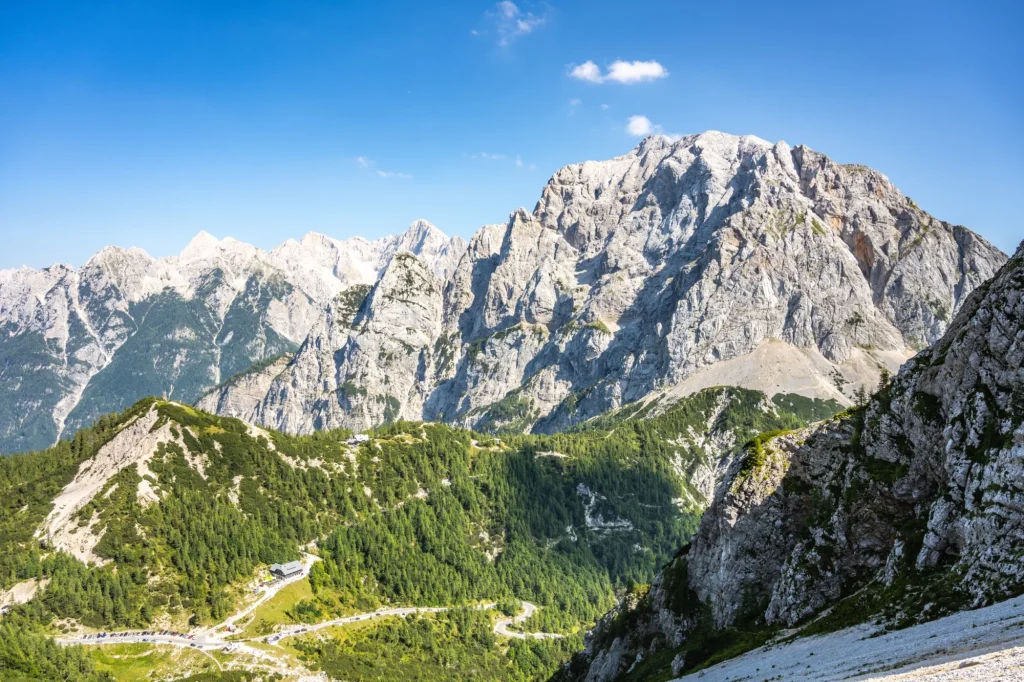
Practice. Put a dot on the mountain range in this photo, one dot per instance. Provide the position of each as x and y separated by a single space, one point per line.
714 396
81 343
708 260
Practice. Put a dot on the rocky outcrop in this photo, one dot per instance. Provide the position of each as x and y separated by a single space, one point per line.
239 395
370 367
640 273
80 343
132 447
904 509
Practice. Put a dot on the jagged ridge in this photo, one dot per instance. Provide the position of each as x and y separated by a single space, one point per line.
81 343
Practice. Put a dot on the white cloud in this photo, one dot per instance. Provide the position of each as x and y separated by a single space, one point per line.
366 162
393 174
620 71
605 106
587 71
507 22
507 9
641 126
575 102
636 72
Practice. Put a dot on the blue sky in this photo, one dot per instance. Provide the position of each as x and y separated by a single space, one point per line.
142 123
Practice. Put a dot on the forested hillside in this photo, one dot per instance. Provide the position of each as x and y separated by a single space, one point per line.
419 514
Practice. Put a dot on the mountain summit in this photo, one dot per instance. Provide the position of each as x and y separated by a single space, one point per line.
709 260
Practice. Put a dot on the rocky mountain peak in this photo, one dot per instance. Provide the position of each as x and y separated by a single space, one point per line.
423 235
405 301
203 246
647 271
440 252
118 254
317 240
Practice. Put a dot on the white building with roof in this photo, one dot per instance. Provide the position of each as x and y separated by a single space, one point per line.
288 570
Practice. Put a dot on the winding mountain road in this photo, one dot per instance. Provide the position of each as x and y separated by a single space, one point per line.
500 627
212 638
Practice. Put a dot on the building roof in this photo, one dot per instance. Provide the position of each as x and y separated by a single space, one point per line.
287 569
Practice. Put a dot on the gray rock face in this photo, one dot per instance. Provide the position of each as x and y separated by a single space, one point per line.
80 343
370 367
913 504
647 270
246 389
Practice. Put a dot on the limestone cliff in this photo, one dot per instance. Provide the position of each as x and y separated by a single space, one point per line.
899 511
658 269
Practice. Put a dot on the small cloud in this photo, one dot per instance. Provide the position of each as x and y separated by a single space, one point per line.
508 22
620 71
605 106
508 10
393 174
575 102
366 162
517 159
641 126
636 72
587 71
